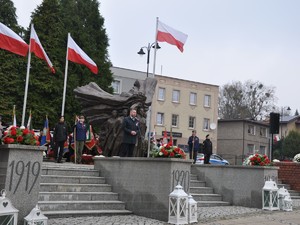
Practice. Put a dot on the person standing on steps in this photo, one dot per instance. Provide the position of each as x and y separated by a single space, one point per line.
207 149
194 145
60 136
80 130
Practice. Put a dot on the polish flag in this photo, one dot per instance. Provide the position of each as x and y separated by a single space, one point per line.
37 48
171 36
76 55
12 42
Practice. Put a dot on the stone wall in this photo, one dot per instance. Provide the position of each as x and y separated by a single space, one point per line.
289 173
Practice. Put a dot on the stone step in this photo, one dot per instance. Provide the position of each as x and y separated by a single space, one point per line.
294 193
81 205
77 196
72 179
193 177
295 197
197 183
212 203
83 213
201 190
207 197
62 187
70 172
286 186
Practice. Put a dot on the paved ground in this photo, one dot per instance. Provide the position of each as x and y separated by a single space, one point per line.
228 215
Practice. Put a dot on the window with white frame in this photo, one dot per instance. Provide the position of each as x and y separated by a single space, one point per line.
193 98
250 148
251 129
192 122
175 96
206 124
175 120
159 118
161 94
263 132
262 149
207 100
116 85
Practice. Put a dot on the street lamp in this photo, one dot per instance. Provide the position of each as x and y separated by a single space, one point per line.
148 48
281 123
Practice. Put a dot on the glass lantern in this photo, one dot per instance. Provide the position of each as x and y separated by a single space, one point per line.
270 196
287 203
8 213
193 215
178 206
282 192
35 217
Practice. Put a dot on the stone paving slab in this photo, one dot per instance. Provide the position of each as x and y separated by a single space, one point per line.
228 215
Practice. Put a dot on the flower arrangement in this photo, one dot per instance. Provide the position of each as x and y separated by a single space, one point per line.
297 158
16 135
257 160
168 151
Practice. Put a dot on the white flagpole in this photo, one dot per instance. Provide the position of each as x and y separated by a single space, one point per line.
26 83
65 82
153 75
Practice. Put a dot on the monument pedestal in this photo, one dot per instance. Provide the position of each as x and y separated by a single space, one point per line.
20 175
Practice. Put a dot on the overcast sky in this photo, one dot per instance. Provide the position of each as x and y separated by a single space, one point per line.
228 40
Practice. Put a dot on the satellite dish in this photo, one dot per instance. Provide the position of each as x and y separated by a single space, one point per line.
213 126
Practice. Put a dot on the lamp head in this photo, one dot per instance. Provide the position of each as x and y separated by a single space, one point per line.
141 52
157 46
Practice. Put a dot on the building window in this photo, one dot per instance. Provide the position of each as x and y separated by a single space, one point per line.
262 149
193 98
205 124
160 119
192 122
175 96
116 85
250 148
263 132
175 120
161 94
207 100
251 129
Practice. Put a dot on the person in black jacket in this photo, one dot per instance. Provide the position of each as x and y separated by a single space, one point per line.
207 149
194 145
60 136
130 130
81 129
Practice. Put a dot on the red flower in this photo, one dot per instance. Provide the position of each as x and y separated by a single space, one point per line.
13 132
172 154
8 140
19 139
25 131
37 143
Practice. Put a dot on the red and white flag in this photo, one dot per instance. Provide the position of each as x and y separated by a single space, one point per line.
37 48
77 55
170 35
12 42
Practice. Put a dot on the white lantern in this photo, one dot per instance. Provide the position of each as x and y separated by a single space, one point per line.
193 215
270 196
178 206
282 192
35 217
8 213
287 203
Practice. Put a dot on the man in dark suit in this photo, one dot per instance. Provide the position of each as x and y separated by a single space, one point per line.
207 149
131 130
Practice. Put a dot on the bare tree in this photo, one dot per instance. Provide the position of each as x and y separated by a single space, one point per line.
251 100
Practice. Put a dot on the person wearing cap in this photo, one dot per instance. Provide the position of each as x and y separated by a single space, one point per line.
207 149
194 145
80 130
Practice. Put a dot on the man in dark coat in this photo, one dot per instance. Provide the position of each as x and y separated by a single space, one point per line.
207 149
130 131
60 136
194 145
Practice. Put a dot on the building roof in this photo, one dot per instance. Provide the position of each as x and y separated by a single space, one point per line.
265 123
288 119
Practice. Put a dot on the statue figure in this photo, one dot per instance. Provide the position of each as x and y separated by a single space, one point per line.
106 111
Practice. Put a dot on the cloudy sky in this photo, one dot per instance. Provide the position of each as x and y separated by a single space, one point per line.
229 40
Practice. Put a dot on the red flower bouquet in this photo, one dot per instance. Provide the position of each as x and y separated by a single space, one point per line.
168 151
15 135
257 160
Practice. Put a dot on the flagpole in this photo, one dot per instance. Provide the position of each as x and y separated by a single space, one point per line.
26 84
65 81
150 114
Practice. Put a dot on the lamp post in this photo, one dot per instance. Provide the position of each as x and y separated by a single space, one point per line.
281 123
141 53
148 48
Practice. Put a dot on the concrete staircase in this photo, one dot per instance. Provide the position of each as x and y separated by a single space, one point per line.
76 191
203 195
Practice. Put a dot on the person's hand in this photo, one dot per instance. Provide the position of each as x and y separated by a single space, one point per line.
133 132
